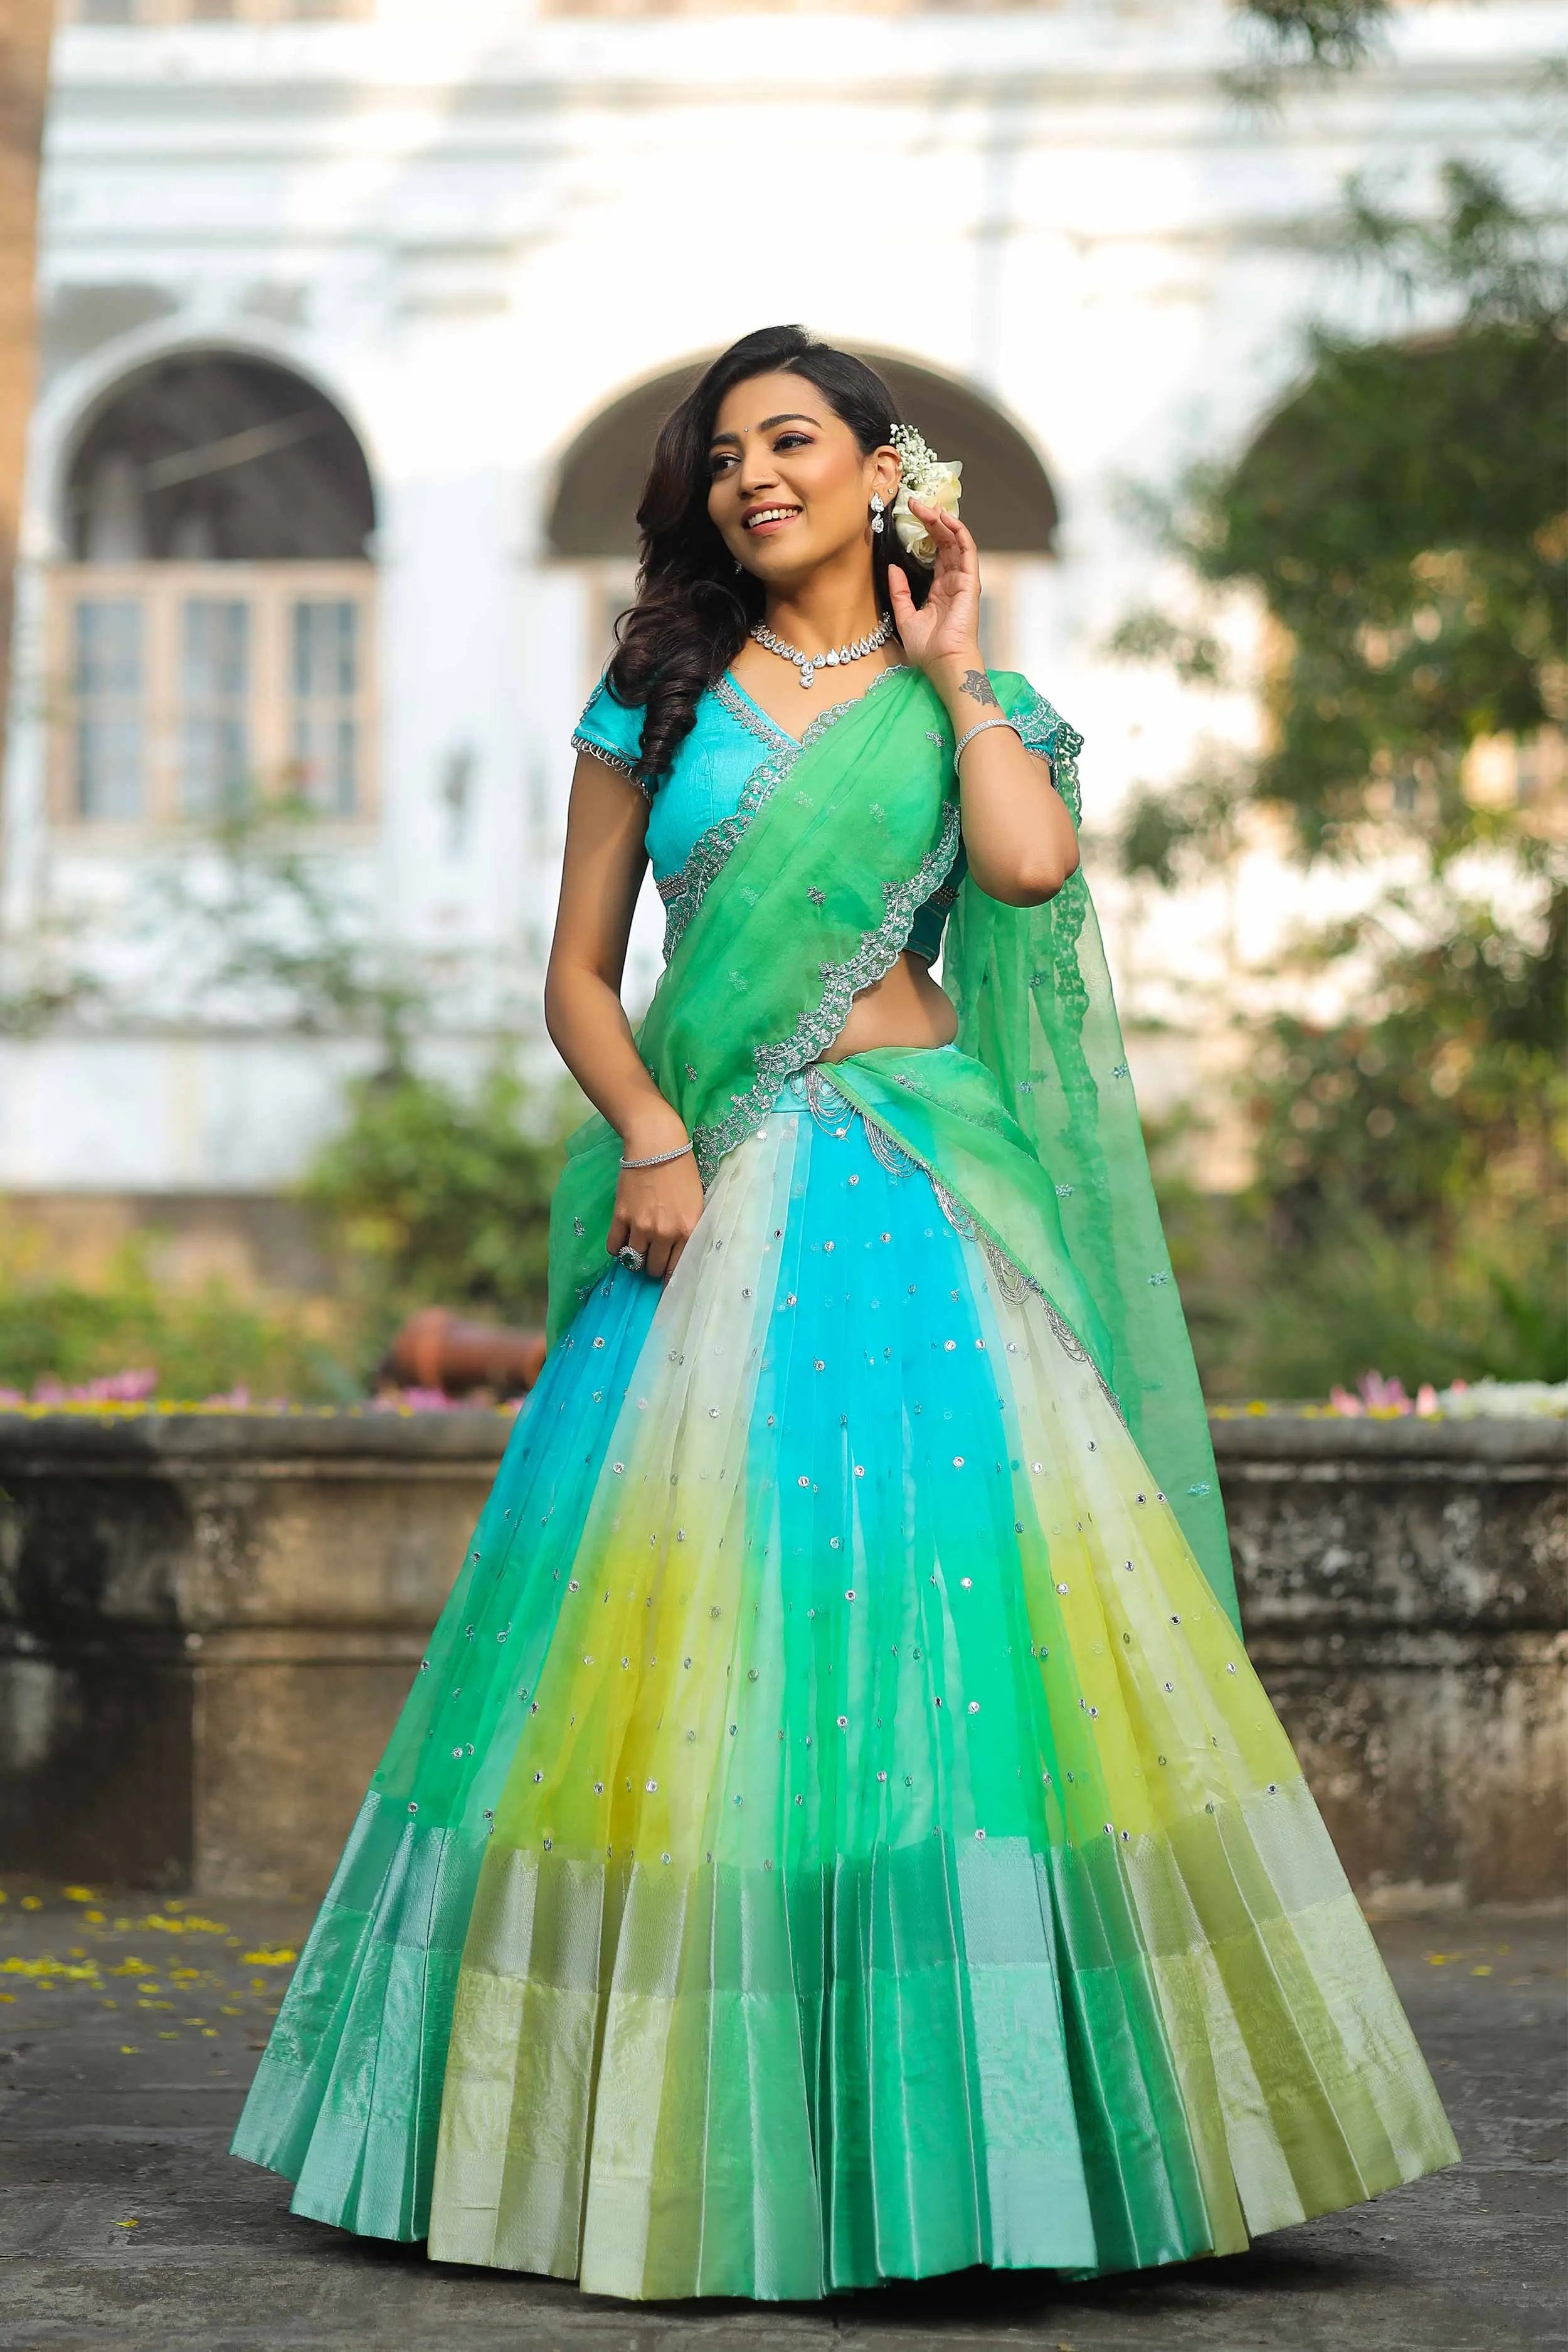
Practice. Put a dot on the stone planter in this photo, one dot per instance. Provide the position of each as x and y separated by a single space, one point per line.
212 1620
209 1621
1403 1591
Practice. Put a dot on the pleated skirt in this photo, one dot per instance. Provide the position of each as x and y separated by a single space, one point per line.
835 1834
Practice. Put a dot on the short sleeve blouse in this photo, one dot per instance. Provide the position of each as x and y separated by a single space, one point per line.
733 755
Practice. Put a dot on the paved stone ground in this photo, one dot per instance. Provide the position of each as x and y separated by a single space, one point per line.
129 2027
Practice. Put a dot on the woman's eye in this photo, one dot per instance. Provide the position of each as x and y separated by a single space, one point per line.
792 441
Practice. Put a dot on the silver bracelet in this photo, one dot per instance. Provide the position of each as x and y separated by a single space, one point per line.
979 728
658 1159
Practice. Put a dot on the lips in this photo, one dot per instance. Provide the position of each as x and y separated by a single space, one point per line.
769 519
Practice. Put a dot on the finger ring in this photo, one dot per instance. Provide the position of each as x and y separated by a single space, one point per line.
634 1260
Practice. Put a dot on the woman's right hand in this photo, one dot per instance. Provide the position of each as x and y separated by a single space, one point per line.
656 1209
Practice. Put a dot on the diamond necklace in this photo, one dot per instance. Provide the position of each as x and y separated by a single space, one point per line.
809 664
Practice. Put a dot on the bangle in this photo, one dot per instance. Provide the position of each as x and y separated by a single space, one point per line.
658 1159
979 728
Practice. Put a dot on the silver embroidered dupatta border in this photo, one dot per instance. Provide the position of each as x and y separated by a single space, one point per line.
819 1025
879 949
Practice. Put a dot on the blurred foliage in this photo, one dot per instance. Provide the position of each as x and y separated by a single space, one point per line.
256 926
441 1198
1282 42
431 1198
1270 1323
1323 33
202 1342
1159 829
244 921
1401 520
1408 1210
1448 1100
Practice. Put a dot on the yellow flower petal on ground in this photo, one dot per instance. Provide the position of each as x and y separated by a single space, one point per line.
42 1971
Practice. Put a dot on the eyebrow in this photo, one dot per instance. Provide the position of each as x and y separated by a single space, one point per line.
790 417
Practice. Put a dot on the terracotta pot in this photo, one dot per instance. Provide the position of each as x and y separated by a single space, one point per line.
436 1349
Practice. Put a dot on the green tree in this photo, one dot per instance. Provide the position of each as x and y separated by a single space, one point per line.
1400 521
443 1199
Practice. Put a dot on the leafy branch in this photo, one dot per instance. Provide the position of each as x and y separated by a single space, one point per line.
252 926
1329 35
1400 521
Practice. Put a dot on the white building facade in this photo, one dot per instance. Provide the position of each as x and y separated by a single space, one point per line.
353 333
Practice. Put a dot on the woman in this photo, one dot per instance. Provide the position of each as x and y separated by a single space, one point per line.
837 1834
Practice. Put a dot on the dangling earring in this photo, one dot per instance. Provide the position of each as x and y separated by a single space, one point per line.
738 565
877 503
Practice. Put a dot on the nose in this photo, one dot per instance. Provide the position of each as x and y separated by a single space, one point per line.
755 470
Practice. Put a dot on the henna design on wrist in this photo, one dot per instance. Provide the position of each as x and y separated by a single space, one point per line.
979 688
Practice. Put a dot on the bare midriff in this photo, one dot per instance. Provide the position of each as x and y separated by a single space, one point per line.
905 1007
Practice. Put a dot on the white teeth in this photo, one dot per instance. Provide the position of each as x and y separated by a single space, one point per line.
770 514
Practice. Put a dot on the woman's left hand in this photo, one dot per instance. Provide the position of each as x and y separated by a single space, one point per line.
943 632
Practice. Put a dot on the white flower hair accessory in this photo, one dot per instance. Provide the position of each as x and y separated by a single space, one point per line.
921 475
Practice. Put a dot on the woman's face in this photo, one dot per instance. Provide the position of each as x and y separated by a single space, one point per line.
789 487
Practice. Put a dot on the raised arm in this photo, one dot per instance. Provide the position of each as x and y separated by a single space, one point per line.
1017 834
655 1208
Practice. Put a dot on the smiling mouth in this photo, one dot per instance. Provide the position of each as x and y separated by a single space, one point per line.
769 518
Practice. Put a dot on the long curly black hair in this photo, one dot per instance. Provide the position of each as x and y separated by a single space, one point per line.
693 608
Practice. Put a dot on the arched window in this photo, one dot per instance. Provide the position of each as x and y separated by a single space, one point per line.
1008 502
212 627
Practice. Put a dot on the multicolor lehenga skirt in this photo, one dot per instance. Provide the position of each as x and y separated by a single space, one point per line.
837 1834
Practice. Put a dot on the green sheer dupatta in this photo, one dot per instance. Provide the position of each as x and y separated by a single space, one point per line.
1036 1005
807 896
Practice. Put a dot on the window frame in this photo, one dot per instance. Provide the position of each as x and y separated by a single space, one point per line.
270 591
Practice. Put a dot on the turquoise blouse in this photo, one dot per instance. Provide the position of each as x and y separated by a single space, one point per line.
734 754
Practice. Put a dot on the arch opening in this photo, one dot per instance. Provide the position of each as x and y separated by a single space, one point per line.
1008 502
212 457
212 628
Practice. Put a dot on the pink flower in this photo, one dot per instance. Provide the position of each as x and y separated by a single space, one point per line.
1383 1396
110 1388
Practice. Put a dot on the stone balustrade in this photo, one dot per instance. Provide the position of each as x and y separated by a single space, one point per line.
209 1620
